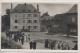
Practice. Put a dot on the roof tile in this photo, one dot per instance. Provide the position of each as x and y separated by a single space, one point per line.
22 8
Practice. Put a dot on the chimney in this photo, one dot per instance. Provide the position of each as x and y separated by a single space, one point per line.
37 7
25 4
11 6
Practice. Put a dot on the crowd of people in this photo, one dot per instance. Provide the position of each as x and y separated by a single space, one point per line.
33 44
57 44
19 36
50 44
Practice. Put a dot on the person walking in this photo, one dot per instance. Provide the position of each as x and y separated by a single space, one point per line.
62 46
31 44
51 45
46 43
67 45
12 36
58 44
34 45
76 47
22 40
7 33
15 38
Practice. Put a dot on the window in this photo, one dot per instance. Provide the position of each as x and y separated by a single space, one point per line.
35 27
73 19
35 10
15 27
15 15
23 21
23 15
29 10
35 15
35 21
29 27
73 30
16 21
29 21
29 15
23 10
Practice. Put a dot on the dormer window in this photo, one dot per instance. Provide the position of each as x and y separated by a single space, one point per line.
35 10
29 10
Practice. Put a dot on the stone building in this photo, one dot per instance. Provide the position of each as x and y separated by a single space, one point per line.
59 23
25 16
6 20
72 21
65 23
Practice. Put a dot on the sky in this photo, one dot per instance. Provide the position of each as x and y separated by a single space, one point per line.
52 9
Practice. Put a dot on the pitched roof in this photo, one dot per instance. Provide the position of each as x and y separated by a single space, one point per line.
45 14
24 8
73 9
46 17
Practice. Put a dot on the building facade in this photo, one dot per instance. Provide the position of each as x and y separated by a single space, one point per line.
59 23
66 23
25 16
72 22
6 20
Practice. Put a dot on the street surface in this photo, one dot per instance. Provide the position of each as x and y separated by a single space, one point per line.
40 38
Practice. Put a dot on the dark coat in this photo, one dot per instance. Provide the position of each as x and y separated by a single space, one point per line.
51 45
34 45
31 45
75 47
22 40
46 43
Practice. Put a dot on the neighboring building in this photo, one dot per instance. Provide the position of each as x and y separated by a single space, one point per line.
72 22
65 23
6 20
59 23
45 18
2 23
45 21
25 16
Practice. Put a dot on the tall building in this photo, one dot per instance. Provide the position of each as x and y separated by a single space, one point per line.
25 16
72 21
6 20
